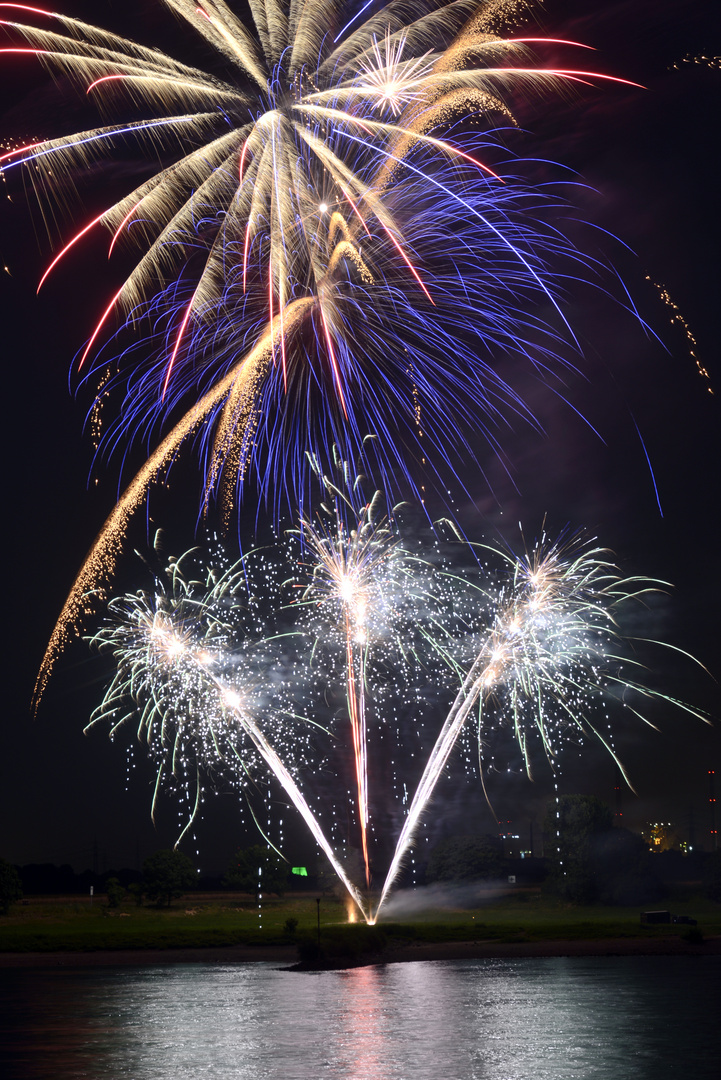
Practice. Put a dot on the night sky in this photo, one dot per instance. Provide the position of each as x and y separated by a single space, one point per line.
647 171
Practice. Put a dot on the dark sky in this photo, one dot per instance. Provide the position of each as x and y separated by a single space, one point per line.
648 162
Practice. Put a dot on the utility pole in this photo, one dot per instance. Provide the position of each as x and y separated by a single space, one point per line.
712 808
617 798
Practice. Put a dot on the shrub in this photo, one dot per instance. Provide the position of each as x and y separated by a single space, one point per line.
115 892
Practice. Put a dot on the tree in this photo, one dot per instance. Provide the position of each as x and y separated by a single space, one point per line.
167 875
465 858
10 886
137 891
573 823
712 876
623 869
115 892
257 869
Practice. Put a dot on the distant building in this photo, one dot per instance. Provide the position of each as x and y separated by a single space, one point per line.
661 836
511 841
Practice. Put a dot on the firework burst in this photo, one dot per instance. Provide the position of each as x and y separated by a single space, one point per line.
327 248
193 666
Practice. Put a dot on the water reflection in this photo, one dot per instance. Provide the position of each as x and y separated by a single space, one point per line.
646 1018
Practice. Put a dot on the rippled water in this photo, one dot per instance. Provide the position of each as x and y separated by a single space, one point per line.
646 1018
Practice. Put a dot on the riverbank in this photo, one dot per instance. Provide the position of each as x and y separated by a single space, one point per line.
286 955
207 928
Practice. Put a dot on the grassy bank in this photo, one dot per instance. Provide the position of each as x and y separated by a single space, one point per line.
52 924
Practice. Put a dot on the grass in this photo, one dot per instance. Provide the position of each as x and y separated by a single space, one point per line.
50 924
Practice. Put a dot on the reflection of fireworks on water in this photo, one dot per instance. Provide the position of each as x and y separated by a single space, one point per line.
547 660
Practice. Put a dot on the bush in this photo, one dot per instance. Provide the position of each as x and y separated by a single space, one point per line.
339 945
115 892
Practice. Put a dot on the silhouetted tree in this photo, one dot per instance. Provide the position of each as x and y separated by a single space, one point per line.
593 861
257 869
573 823
712 875
115 892
465 858
10 886
167 875
47 878
137 891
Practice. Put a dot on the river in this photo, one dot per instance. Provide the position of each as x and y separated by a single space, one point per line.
591 1018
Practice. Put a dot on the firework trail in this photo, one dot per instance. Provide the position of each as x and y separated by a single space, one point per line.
551 652
99 566
677 319
346 566
366 589
325 248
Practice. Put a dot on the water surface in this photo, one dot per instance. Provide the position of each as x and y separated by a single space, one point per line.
592 1018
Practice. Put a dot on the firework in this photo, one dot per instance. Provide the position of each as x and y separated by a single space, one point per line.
326 249
550 656
535 642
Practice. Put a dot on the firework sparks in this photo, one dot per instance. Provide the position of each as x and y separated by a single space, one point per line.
677 319
396 82
198 710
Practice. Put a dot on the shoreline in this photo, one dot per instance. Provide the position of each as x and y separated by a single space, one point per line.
287 954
